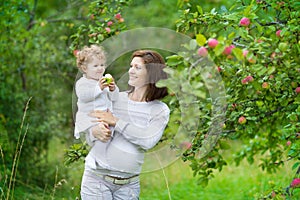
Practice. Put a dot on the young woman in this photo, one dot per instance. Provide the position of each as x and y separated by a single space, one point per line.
139 121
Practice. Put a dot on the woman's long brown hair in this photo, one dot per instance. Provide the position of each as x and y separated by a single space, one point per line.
155 64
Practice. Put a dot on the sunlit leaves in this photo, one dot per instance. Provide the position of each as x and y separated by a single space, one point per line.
259 65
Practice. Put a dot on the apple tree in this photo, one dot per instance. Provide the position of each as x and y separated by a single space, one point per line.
255 47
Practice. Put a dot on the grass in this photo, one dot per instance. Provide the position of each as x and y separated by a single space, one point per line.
232 183
175 182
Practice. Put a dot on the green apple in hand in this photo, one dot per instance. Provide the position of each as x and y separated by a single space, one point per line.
108 78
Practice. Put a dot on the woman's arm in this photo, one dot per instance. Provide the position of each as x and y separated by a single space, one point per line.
146 137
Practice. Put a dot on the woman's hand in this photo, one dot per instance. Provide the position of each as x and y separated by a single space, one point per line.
105 116
101 132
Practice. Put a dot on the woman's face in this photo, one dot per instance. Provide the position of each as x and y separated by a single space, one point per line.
137 73
95 68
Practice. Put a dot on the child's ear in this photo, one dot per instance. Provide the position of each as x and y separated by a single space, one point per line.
83 68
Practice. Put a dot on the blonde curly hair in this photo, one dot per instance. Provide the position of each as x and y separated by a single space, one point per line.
84 56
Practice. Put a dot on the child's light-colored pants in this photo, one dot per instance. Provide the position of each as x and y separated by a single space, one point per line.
94 187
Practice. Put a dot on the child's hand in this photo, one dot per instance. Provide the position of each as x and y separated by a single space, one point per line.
108 81
112 86
102 83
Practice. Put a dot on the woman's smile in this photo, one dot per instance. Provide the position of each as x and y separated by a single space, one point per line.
137 72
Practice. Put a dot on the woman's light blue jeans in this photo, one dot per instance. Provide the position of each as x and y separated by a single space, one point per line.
94 187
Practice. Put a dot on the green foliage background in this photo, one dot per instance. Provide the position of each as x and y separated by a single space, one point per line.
37 64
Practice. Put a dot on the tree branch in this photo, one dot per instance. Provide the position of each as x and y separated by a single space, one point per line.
281 23
61 20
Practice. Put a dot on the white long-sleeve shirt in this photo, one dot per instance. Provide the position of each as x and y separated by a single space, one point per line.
91 97
139 128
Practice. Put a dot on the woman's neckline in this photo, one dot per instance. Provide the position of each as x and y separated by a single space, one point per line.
131 98
135 101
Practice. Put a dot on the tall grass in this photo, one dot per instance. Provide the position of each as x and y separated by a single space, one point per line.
17 154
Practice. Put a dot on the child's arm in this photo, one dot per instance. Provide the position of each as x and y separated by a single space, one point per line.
114 95
87 91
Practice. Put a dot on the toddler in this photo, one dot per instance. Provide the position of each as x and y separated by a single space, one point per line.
93 90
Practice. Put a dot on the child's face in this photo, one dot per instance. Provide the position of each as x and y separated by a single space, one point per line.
95 68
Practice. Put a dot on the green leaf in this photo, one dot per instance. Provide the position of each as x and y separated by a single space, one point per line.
238 53
203 181
100 37
219 49
199 8
259 27
262 71
169 70
173 60
271 70
297 164
161 83
200 94
231 35
224 145
259 103
201 40
247 10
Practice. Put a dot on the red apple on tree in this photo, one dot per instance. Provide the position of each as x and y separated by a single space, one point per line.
75 52
109 23
107 30
278 33
228 49
252 59
245 52
202 51
247 79
295 183
245 21
118 16
242 120
265 85
212 43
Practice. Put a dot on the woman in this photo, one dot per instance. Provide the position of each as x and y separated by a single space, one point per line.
139 119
